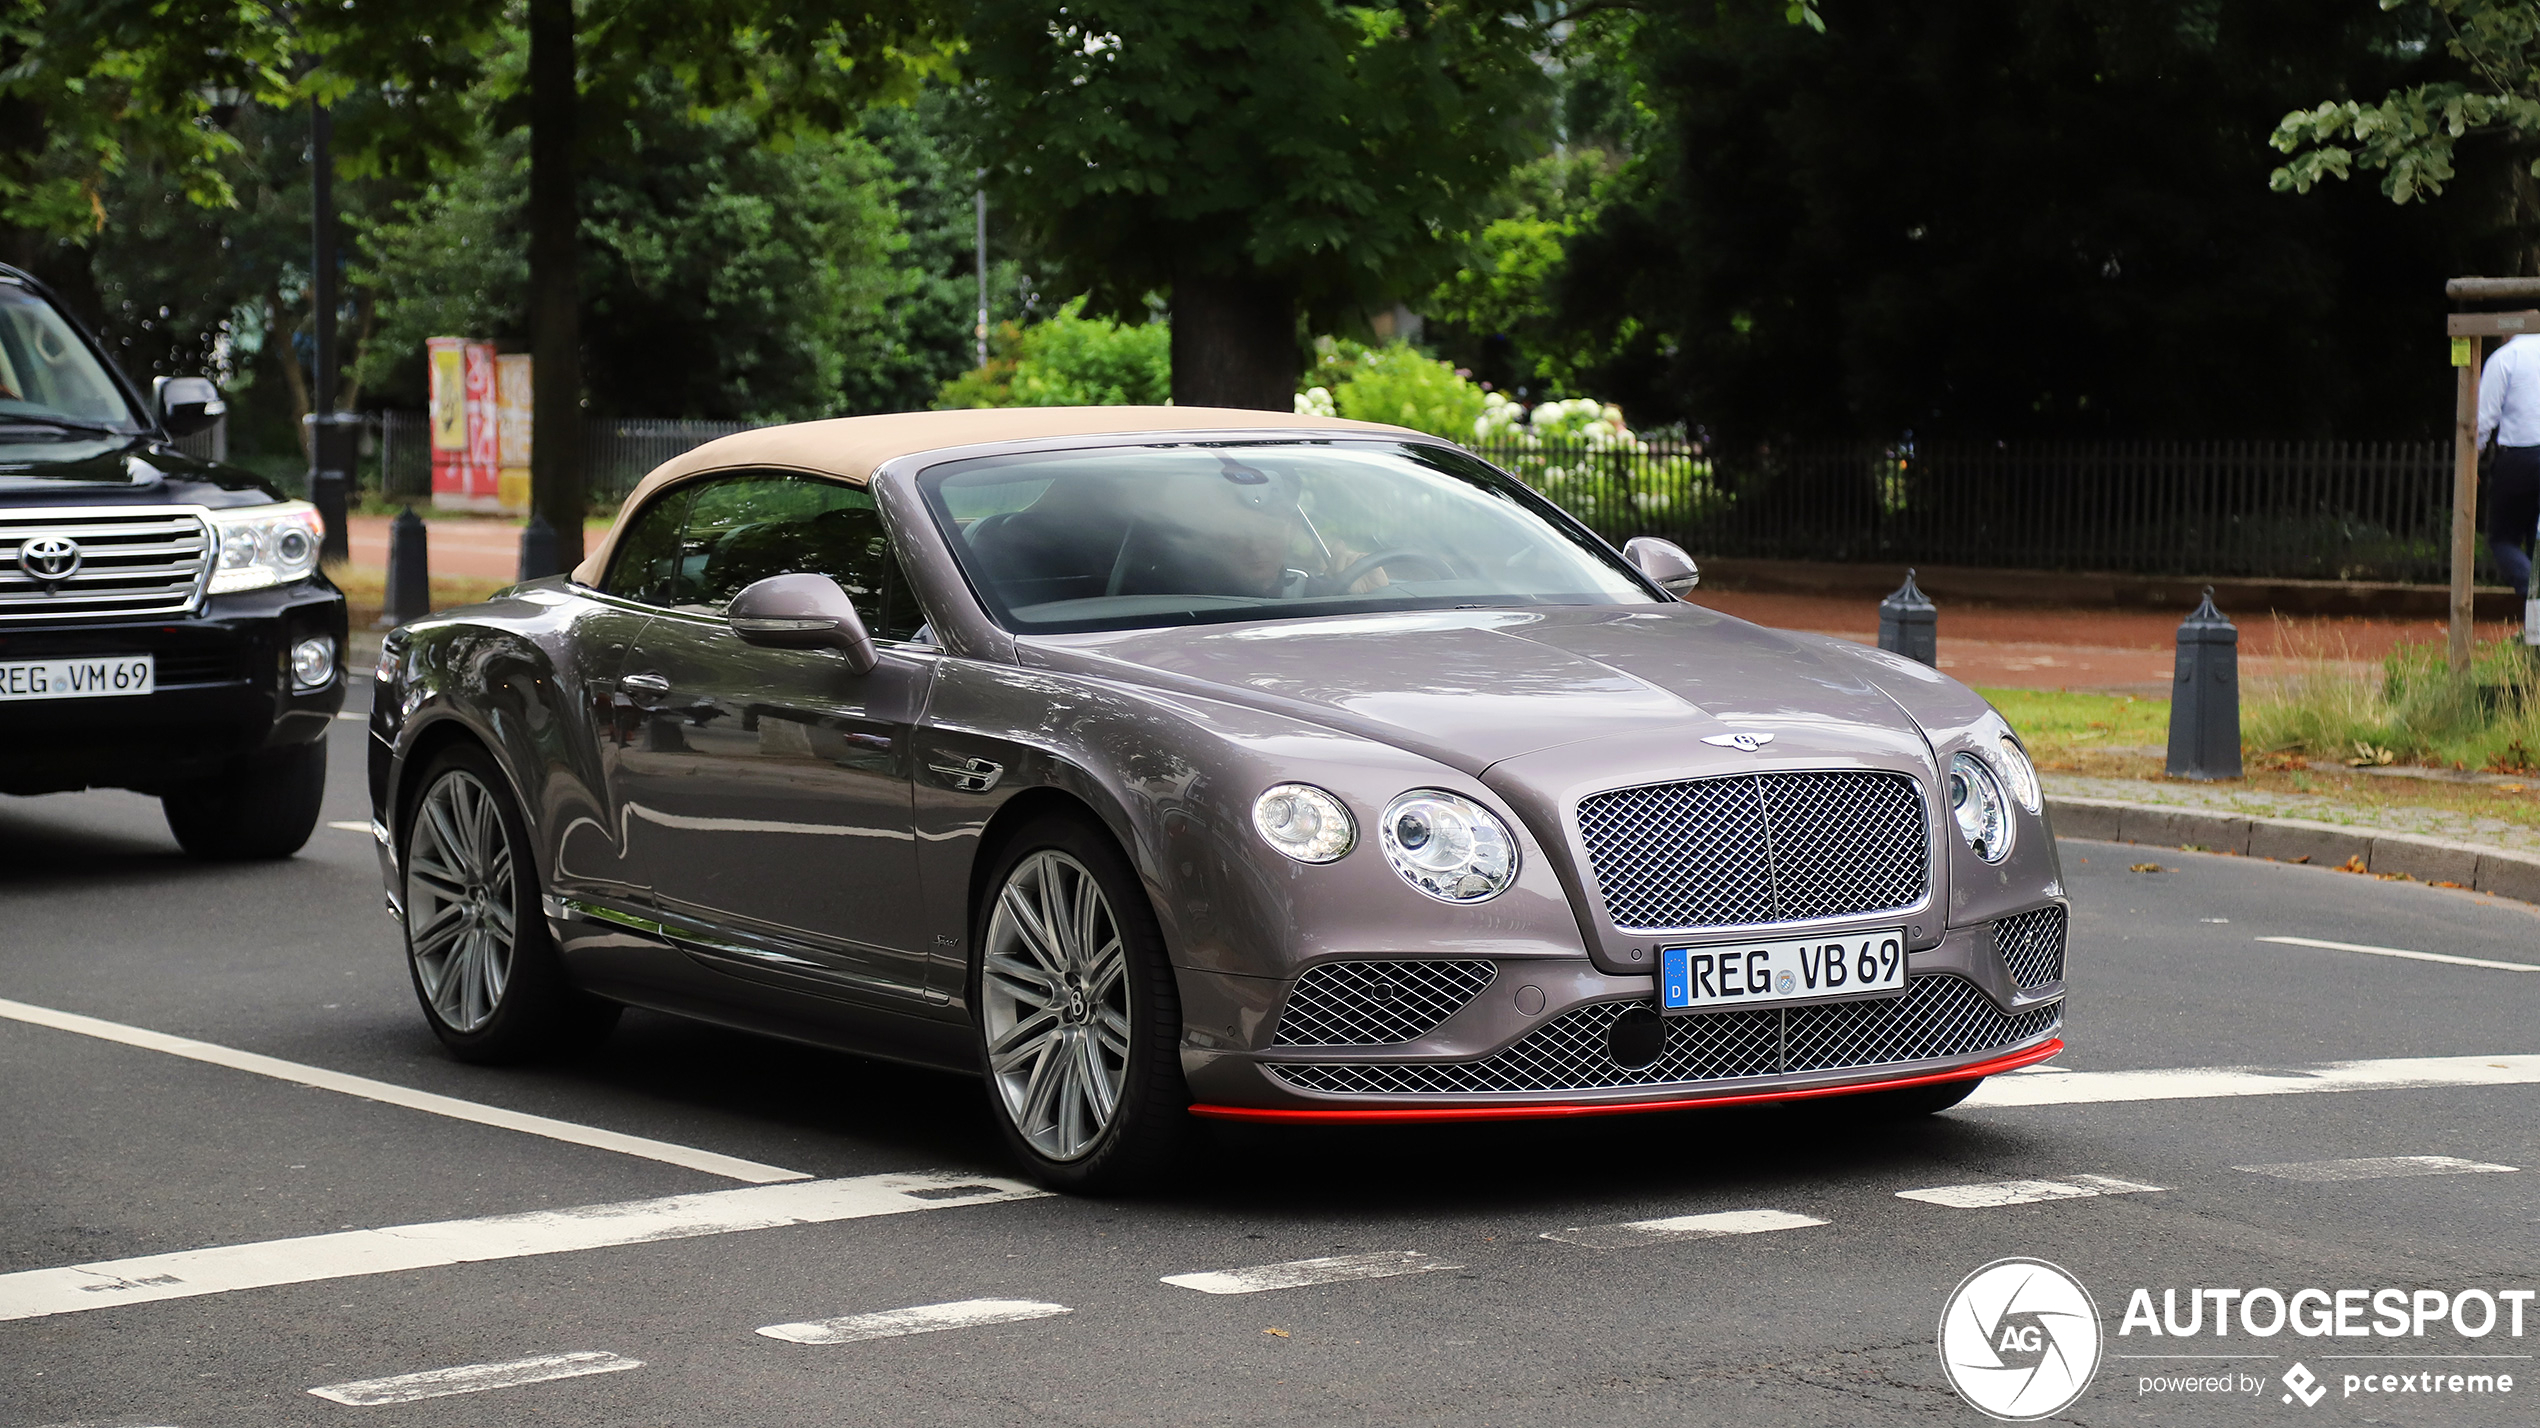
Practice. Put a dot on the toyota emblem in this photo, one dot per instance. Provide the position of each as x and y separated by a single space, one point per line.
49 558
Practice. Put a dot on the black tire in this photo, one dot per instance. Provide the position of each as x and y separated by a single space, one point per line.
1910 1102
1143 1136
262 806
525 1007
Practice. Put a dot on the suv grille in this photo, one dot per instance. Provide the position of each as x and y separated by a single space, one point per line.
1938 1016
1378 1003
2032 946
128 562
1757 848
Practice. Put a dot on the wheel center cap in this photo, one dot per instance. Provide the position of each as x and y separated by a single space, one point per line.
1076 1007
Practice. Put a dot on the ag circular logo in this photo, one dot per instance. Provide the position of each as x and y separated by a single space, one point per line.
49 557
2019 1339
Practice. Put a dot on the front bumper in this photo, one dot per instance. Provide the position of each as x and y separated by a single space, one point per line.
224 689
1543 1040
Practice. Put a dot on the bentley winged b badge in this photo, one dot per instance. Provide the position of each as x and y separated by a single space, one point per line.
1745 741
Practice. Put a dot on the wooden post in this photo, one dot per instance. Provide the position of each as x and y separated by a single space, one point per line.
2464 495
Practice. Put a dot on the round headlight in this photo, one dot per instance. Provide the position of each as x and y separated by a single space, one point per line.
292 547
1977 806
1448 846
1303 822
2019 773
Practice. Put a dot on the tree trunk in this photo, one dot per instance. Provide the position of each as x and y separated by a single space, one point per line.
555 280
1234 342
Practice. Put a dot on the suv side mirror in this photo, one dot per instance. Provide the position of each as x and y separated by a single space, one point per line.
1664 562
801 612
188 404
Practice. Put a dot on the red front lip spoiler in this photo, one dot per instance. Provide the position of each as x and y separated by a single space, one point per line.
1539 1110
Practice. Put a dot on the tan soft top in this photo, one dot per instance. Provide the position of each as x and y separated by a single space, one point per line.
848 448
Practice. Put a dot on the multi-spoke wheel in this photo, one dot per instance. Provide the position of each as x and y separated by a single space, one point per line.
1078 1020
459 895
484 967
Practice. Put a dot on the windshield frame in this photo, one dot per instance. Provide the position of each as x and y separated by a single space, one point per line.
141 415
929 479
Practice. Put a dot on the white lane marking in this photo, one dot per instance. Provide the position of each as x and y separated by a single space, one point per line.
37 1293
920 1319
1631 1234
2404 952
473 1378
354 715
2053 1086
350 827
1297 1273
2377 1168
729 1167
2026 1192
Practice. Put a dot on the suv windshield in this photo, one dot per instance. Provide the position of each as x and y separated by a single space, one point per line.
1126 537
49 374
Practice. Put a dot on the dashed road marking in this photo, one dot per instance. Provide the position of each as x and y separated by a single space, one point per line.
730 1167
350 827
37 1293
2054 1086
920 1319
1632 1234
2404 952
473 1378
2025 1192
1296 1274
2376 1168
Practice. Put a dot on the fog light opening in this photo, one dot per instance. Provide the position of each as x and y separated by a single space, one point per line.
312 664
1636 1039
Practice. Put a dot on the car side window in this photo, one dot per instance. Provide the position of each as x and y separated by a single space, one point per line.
743 529
646 565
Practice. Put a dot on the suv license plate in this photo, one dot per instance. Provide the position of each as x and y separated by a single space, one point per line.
78 678
1745 973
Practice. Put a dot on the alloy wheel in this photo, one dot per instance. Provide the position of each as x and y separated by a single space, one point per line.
1054 994
459 900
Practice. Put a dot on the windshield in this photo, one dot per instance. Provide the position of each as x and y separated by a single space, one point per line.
47 372
1127 537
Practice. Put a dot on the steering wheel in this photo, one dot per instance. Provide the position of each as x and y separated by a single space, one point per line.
1367 565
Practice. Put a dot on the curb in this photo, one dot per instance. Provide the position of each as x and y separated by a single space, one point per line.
2293 840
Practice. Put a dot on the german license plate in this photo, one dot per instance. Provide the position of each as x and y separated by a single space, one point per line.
1740 974
99 677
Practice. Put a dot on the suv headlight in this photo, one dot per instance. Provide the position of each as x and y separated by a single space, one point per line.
1448 846
258 546
1978 807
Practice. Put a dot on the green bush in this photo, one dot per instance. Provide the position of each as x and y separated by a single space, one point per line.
2414 709
1392 384
1071 360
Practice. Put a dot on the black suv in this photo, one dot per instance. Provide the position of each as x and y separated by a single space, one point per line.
163 623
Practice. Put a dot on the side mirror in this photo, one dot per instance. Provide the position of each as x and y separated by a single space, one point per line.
188 404
802 612
1664 562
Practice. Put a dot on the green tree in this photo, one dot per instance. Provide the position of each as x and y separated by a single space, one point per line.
1262 160
2003 218
1070 360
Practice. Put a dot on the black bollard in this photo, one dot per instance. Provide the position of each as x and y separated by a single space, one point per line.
2205 696
1909 624
537 548
409 571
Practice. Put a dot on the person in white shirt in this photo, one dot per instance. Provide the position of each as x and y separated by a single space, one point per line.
2509 416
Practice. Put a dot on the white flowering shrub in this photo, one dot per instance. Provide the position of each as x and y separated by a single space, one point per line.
1583 455
1316 401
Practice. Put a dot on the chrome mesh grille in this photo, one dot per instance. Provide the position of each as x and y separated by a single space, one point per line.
1757 848
131 562
2032 946
1937 1016
1378 1003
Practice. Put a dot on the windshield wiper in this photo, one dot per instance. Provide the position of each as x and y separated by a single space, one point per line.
54 423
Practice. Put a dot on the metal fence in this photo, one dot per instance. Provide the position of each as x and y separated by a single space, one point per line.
616 452
2302 510
2315 510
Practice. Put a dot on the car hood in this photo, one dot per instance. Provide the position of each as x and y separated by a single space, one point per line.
1472 688
121 471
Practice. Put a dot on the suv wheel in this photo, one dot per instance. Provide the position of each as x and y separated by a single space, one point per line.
484 966
261 806
1080 1026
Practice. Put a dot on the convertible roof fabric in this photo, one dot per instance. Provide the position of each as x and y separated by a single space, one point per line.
848 448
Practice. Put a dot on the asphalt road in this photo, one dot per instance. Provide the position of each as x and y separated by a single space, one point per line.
110 1151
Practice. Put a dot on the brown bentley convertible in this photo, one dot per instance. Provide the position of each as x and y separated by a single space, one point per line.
1166 762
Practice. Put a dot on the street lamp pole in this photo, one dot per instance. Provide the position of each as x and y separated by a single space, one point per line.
330 431
982 200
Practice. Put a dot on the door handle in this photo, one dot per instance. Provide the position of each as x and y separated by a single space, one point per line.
643 689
